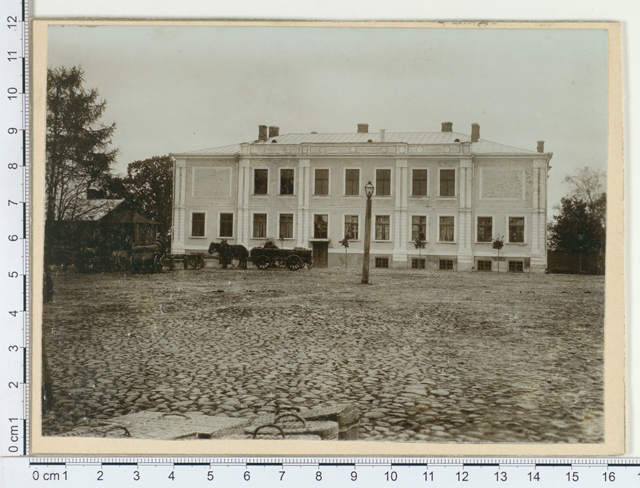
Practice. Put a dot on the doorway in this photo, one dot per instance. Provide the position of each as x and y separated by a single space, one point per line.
320 254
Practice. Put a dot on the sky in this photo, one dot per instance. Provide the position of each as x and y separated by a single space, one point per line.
174 89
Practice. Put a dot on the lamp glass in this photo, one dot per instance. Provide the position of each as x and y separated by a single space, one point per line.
368 189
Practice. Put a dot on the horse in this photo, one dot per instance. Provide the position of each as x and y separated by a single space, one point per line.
229 252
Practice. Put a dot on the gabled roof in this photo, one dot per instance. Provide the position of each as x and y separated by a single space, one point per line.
480 147
96 209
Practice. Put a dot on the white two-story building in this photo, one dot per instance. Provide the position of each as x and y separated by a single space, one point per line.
456 192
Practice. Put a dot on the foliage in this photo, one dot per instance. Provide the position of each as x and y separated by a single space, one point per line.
149 186
577 229
78 153
498 243
589 185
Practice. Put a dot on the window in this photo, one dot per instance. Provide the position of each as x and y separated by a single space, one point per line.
351 227
446 264
226 225
419 228
383 182
286 226
352 182
260 225
446 229
516 229
418 263
516 266
322 182
260 181
286 181
320 226
382 228
484 265
485 229
419 183
447 182
382 262
197 224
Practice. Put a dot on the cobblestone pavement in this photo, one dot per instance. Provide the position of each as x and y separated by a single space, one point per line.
446 357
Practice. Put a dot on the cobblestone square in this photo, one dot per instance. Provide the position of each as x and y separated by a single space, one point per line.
427 357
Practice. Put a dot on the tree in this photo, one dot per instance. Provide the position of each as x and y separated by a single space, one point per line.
149 187
498 244
78 153
589 185
419 243
577 229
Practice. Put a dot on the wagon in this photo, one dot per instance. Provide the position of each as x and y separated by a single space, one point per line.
294 259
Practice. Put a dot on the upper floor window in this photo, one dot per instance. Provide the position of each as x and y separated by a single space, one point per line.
352 182
226 225
516 229
383 228
286 181
351 227
260 225
320 226
260 181
322 182
447 225
383 182
419 182
286 226
447 182
419 228
485 229
198 224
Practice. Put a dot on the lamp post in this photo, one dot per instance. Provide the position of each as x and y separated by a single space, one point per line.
368 189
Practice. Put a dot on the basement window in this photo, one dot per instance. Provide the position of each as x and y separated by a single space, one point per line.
484 265
418 263
382 262
446 264
516 266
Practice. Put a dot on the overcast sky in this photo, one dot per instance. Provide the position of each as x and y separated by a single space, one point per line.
173 89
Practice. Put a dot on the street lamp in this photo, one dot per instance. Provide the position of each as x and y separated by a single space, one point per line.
368 190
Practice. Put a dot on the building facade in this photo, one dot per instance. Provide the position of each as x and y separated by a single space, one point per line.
452 192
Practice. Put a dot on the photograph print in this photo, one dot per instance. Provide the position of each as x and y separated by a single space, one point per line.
373 238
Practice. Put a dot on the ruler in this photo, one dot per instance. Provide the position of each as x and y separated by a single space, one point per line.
14 233
302 472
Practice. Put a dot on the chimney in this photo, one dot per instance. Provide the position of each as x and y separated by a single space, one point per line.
363 128
262 132
475 132
447 127
274 131
540 146
382 135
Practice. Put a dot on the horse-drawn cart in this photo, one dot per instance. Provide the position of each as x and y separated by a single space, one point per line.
294 259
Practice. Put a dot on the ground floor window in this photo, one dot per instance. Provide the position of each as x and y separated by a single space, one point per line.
197 224
351 227
226 225
383 228
382 262
516 266
418 263
260 225
419 228
484 265
446 229
320 226
286 226
446 264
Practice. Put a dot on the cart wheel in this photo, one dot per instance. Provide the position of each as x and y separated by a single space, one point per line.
262 262
310 263
189 262
157 263
294 263
199 262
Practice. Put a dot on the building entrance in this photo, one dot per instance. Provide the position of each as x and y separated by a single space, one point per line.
320 254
